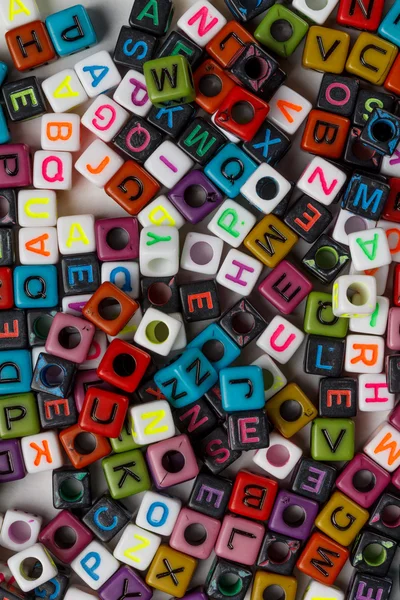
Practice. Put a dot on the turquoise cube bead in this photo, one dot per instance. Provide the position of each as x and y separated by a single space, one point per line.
242 388
3 72
35 286
217 346
4 133
230 169
15 372
71 30
390 25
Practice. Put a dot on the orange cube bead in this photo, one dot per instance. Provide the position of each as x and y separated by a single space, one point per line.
228 41
83 448
103 310
392 81
30 46
132 187
325 134
322 559
212 85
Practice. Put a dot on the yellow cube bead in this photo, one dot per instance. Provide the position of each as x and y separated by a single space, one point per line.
171 571
341 519
270 240
264 580
371 58
326 49
290 410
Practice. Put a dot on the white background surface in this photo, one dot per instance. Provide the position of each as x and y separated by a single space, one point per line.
34 492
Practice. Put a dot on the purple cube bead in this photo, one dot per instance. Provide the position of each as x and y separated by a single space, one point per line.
293 515
125 583
12 466
195 196
111 235
196 594
15 166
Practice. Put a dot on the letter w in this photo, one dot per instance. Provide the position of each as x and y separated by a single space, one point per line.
165 74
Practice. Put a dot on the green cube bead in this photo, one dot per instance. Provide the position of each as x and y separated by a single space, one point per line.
169 81
126 474
125 441
281 30
19 416
319 318
332 439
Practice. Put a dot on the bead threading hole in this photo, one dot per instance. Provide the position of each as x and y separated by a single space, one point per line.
267 188
85 443
274 592
281 30
195 534
374 554
41 326
391 516
229 584
364 481
383 130
19 532
316 4
65 537
291 410
277 455
213 350
256 68
109 309
52 375
69 338
294 515
71 490
268 379
355 224
326 258
159 293
157 332
173 461
243 323
278 552
201 253
242 112
117 238
31 568
4 207
124 365
195 196
210 86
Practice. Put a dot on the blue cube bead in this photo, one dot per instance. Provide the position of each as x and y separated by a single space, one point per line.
71 30
15 372
35 286
210 337
187 379
242 388
4 133
390 25
230 169
3 72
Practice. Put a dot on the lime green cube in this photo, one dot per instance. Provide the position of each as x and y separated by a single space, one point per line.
319 318
281 30
126 474
19 416
332 439
125 441
169 81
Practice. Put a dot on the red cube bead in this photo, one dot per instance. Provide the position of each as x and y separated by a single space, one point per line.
253 496
242 113
123 365
212 85
396 286
351 14
391 210
6 288
103 412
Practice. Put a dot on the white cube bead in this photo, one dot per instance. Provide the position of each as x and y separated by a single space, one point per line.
380 275
95 565
201 22
232 222
283 115
38 246
75 593
159 251
96 352
322 181
73 305
181 340
19 530
375 323
392 232
158 513
201 253
280 458
265 188
363 301
130 328
239 272
281 339
64 91
168 164
373 393
137 547
157 332
99 163
76 234
15 13
364 354
347 222
37 208
61 131
132 94
105 118
97 73
161 212
391 164
152 422
369 249
52 170
384 447
40 554
319 590
42 452
232 138
274 379
125 275
316 12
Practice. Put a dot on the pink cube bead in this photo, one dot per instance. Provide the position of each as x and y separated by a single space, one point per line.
394 418
393 329
396 479
15 166
117 239
373 480
285 287
48 536
239 540
181 536
172 461
59 338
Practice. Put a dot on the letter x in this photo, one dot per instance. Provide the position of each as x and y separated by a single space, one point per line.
267 143
170 572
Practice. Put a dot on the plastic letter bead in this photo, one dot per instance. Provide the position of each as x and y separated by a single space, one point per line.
52 170
64 91
242 387
369 249
12 520
105 118
134 48
168 164
126 474
371 58
280 339
341 519
322 559
169 81
379 520
325 49
201 22
132 187
232 223
192 257
322 181
12 462
200 140
106 229
132 94
171 571
210 495
39 554
274 379
365 584
384 447
239 540
80 279
285 19
215 335
332 439
314 480
161 212
58 345
373 394
378 478
279 410
124 274
239 272
15 13
103 412
137 547
182 196
95 565
227 119
316 13
264 580
151 422
285 287
19 417
163 473
99 163
112 322
41 452
106 518
124 581
48 536
97 73
76 234
71 488
24 100
157 332
71 30
158 513
280 458
30 46
265 189
288 109
61 132
361 553
151 17
181 539
325 134
280 522
229 169
270 240
15 371
38 246
227 42
15 167
220 569
319 318
363 301
364 354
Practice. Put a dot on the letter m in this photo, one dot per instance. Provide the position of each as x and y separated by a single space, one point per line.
204 144
326 563
372 201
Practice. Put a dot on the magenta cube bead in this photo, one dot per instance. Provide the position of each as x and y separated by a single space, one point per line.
110 235
239 540
393 329
396 479
280 521
379 477
183 461
285 287
12 466
64 325
125 583
66 519
394 418
181 196
186 518
15 166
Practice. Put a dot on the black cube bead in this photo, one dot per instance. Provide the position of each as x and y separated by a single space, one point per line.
314 480
245 10
134 48
269 145
267 553
210 495
56 413
71 489
196 419
393 373
215 452
106 518
382 131
39 323
149 391
326 258
368 587
153 17
13 329
80 274
177 43
161 293
251 67
24 99
8 199
338 397
243 323
359 155
213 397
385 517
254 420
7 247
338 94
221 570
201 140
55 588
367 100
324 356
53 375
366 196
308 218
138 139
273 84
172 120
199 301
365 559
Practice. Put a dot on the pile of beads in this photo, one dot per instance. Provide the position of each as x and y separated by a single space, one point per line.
157 408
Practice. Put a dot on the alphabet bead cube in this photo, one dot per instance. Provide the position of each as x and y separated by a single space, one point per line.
132 93
124 581
373 394
322 181
172 461
15 371
288 109
270 240
168 164
376 480
99 163
239 272
38 246
50 534
361 553
269 145
183 196
133 48
124 274
242 387
333 556
325 49
264 580
239 540
80 279
152 18
23 99
13 519
52 170
14 14
332 439
295 287
64 91
201 140
106 518
105 118
285 504
183 540
169 81
97 73
22 579
15 166
314 480
30 46
19 417
161 212
71 488
290 410
222 568
265 189
383 447
158 513
253 496
157 332
364 354
285 19
71 30
151 422
95 565
70 441
210 495
341 519
274 379
201 253
280 458
369 249
76 234
338 397
215 451
42 452
280 339
61 132
246 13
229 169
231 223
126 474
12 463
363 301
371 58
325 134
201 22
